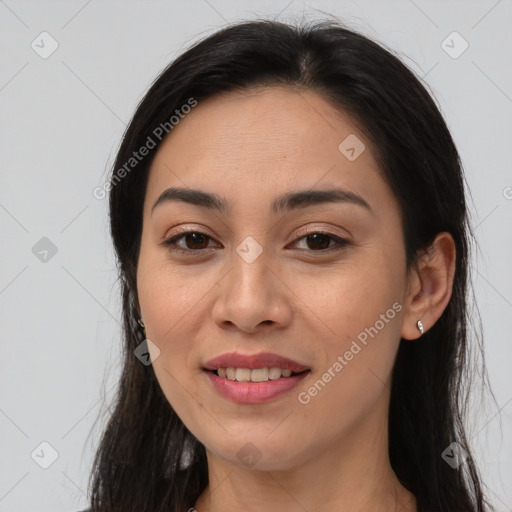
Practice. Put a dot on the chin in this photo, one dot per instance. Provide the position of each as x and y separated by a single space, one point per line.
259 453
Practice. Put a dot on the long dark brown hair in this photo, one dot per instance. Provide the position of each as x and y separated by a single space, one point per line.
147 460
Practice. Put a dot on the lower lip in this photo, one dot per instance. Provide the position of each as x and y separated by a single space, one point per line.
254 392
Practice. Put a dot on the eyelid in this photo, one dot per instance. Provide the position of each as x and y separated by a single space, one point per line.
317 229
170 241
341 241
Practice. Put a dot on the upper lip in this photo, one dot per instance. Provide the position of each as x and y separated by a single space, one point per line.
251 361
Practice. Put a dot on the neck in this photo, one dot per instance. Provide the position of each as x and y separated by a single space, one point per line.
353 475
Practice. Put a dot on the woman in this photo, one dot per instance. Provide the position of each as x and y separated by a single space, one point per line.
288 212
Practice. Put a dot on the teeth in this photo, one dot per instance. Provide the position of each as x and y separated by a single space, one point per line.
254 375
274 373
243 374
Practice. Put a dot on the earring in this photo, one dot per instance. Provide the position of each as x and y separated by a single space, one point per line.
420 326
139 321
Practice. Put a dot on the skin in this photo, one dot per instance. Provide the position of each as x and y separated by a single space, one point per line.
249 147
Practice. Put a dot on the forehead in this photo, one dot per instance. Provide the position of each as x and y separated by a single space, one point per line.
263 141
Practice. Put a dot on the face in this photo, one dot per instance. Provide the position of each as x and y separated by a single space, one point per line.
319 282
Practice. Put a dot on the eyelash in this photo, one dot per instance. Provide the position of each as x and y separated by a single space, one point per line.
171 242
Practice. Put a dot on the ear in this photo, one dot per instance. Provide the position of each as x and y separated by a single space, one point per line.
430 284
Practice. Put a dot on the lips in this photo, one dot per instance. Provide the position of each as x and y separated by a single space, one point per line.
252 361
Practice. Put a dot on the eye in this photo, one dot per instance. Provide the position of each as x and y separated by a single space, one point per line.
197 242
193 238
320 241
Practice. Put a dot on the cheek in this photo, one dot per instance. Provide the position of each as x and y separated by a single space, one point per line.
171 313
167 304
169 295
171 307
358 294
362 309
356 375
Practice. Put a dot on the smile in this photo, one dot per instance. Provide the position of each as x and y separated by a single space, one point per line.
254 375
234 384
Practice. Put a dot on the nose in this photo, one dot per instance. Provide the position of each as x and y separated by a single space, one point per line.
253 297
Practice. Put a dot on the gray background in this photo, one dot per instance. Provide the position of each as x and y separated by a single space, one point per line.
62 118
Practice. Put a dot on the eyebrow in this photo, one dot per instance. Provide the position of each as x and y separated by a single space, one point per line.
287 202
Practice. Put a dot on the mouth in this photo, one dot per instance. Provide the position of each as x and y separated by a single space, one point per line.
253 378
264 385
255 374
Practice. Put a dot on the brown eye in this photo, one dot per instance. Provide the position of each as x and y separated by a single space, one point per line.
195 241
319 242
190 242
